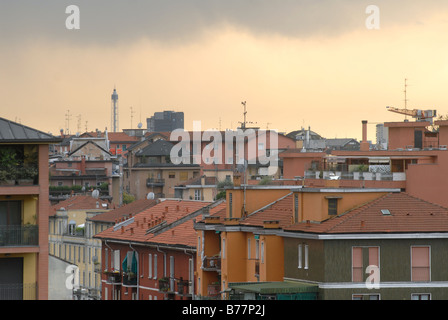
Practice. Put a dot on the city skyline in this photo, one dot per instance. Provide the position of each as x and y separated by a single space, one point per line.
296 64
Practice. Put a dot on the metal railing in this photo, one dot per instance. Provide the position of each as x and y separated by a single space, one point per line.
27 235
18 291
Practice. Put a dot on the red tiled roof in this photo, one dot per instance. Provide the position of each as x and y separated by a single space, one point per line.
407 214
121 136
280 210
163 213
125 210
79 202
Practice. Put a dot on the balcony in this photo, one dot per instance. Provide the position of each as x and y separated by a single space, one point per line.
151 182
18 291
113 277
129 279
18 165
212 263
11 236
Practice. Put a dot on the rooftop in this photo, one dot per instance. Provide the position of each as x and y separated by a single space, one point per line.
12 132
391 213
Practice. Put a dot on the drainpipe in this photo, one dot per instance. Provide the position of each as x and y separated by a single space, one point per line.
192 280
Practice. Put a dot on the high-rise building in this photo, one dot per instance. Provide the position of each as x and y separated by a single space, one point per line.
165 121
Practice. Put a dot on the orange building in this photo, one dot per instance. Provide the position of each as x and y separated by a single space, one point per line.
243 243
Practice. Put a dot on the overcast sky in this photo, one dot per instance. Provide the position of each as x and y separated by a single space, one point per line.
296 62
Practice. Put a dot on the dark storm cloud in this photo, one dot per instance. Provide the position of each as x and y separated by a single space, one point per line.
115 21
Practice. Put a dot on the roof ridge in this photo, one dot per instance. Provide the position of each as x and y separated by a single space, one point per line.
268 205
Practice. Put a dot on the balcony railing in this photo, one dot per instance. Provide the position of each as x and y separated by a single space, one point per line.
113 277
27 235
151 182
18 291
212 263
129 279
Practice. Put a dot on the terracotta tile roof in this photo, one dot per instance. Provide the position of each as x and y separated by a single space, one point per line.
80 202
280 210
168 222
126 210
121 136
407 214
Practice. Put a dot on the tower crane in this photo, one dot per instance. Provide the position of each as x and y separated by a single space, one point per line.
419 115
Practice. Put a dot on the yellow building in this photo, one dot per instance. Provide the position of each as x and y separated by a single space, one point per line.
70 239
24 204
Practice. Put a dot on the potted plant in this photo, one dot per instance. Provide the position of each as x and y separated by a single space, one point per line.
8 166
26 175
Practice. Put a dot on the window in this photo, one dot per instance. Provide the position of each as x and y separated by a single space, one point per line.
155 266
362 257
183 176
197 194
420 296
366 297
296 208
420 263
332 206
171 175
257 249
149 265
262 252
10 213
223 248
302 256
116 265
230 204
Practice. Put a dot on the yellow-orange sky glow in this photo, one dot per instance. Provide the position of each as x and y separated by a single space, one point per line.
327 82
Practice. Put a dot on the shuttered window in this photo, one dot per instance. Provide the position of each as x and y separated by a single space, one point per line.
420 263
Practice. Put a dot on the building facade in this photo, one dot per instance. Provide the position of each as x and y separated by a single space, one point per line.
24 206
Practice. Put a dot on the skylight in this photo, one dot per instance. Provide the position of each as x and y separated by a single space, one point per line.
385 212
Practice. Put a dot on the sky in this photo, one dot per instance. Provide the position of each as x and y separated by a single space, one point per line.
296 63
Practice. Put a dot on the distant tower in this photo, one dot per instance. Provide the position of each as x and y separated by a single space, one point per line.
114 111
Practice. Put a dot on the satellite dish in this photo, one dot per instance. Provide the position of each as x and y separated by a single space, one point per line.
95 194
140 125
150 196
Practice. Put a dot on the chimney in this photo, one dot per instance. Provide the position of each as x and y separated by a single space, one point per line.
364 146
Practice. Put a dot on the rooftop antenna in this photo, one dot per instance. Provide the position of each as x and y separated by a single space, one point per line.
243 125
86 125
132 115
67 118
79 123
405 98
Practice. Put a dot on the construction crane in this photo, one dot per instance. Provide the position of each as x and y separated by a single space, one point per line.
419 115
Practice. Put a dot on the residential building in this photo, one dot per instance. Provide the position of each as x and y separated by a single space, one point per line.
150 170
415 161
151 255
390 248
24 207
202 188
323 243
70 239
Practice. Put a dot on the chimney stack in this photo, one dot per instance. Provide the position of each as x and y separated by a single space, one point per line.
364 146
